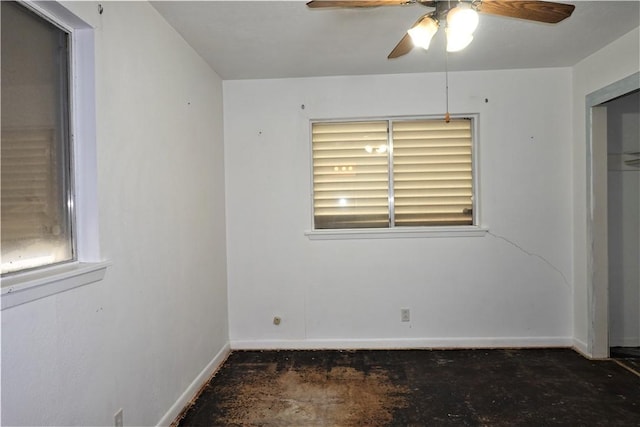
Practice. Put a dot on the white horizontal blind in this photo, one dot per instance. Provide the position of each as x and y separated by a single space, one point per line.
432 172
29 183
350 175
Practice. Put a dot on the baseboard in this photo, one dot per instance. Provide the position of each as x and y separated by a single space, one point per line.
581 347
195 386
406 343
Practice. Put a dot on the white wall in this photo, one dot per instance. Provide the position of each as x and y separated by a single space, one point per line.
511 287
623 125
138 339
616 61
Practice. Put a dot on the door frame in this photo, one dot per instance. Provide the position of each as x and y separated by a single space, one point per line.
597 246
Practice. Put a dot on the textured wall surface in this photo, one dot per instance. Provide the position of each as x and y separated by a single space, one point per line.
509 287
139 338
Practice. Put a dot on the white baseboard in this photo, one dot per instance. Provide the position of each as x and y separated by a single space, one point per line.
195 386
581 347
406 343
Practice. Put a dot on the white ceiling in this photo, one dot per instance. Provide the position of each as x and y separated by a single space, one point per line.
280 39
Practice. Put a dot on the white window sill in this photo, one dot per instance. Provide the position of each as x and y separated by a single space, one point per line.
27 287
396 233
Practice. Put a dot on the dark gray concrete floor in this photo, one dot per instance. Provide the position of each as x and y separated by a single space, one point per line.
628 356
533 387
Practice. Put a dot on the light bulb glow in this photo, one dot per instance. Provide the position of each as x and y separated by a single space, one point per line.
457 41
422 33
462 21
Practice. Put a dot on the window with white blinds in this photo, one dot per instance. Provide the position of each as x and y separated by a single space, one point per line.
432 172
351 175
392 173
35 154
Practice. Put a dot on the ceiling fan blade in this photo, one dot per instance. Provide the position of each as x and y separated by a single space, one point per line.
541 11
373 3
402 48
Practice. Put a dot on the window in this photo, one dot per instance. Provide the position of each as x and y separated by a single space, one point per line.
393 173
36 151
61 143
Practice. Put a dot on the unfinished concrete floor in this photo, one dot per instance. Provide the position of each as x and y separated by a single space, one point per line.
537 387
628 356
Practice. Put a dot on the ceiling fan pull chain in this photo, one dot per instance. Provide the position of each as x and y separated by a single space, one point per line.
447 117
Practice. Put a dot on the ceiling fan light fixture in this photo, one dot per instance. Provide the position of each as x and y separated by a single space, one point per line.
462 21
462 18
422 33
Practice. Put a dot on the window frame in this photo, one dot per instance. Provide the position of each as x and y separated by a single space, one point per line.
65 173
476 229
88 266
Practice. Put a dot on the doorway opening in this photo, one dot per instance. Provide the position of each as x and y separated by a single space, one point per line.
612 220
623 221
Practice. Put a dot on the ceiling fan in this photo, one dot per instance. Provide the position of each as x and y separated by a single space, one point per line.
459 17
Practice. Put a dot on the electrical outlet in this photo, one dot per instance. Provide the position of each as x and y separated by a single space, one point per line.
118 420
405 315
